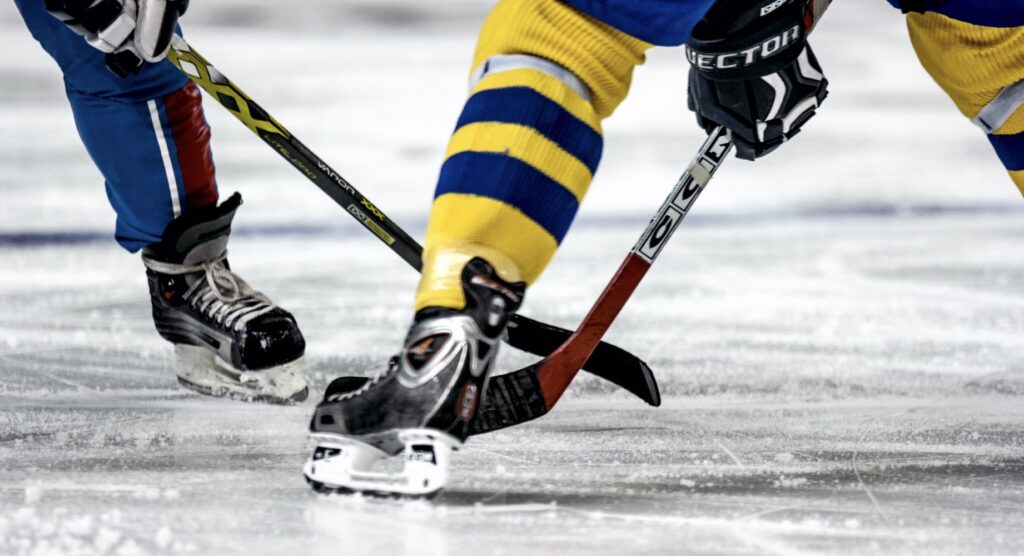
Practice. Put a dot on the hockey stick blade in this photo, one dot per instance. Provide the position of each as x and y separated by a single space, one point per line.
608 362
551 376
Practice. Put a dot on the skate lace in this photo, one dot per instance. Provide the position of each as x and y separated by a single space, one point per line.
222 295
377 373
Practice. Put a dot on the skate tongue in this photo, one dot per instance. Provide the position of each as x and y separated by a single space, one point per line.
196 236
492 284
489 299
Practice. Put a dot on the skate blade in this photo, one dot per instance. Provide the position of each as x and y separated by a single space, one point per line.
201 370
344 465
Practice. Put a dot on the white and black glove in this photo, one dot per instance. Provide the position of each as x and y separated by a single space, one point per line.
753 72
130 32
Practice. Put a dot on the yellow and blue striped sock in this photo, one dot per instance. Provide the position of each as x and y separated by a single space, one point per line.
527 144
981 68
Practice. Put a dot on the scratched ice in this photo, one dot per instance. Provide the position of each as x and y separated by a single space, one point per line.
837 330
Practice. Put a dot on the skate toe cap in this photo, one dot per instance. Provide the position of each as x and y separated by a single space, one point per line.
273 339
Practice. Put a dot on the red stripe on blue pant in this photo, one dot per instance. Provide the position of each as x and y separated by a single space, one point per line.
191 134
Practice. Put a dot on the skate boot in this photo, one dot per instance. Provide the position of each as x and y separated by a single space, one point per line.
229 339
423 402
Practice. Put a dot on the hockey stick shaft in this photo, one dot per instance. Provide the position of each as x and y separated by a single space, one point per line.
231 97
557 370
552 375
517 391
610 362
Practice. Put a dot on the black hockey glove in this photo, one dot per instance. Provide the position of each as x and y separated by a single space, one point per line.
907 6
752 71
131 32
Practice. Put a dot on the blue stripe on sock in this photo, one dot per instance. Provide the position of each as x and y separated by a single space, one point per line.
525 106
514 183
1010 149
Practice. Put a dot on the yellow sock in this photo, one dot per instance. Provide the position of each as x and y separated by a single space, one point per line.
526 145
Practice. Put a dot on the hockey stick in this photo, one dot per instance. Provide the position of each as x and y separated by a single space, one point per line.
531 392
552 375
609 362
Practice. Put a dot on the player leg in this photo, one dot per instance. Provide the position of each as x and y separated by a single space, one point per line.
149 138
978 59
520 161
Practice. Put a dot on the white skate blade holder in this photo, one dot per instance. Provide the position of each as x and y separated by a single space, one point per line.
203 371
345 464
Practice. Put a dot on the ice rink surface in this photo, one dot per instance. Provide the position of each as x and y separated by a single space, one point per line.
837 329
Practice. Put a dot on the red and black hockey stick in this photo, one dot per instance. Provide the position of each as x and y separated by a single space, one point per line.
608 362
550 377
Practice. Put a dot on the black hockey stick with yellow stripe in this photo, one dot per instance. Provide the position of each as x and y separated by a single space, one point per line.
608 361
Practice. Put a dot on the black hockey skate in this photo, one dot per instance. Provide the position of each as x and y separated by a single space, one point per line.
422 403
230 340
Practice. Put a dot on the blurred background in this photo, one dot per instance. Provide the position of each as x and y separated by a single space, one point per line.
837 329
375 86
